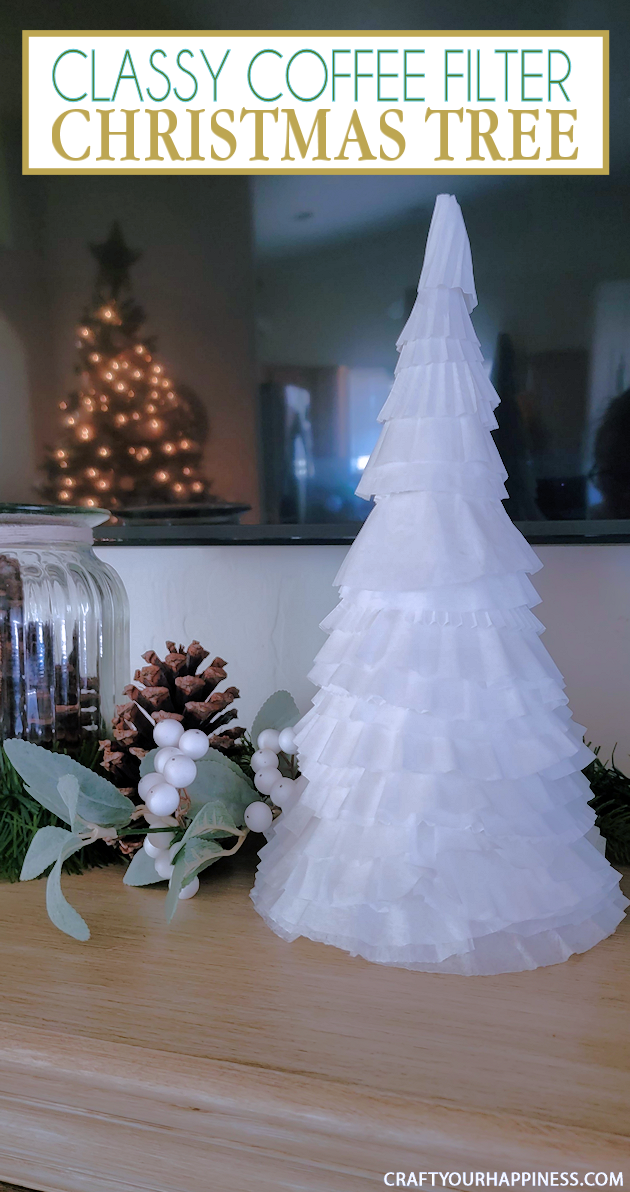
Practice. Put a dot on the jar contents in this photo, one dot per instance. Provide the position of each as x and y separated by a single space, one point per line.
43 697
63 630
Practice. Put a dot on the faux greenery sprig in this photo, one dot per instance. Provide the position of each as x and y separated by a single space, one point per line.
212 826
89 804
21 816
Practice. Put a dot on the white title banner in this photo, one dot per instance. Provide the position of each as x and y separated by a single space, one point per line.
304 102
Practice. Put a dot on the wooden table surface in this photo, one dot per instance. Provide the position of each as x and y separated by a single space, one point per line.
210 1056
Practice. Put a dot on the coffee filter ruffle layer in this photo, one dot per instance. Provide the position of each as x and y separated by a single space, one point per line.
420 744
481 654
491 594
438 314
446 389
416 540
532 807
480 954
435 455
440 699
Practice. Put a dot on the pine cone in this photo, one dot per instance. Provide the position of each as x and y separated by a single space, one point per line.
170 689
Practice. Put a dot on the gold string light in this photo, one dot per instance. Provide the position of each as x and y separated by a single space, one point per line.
84 414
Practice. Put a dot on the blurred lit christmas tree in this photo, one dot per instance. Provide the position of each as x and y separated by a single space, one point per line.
130 437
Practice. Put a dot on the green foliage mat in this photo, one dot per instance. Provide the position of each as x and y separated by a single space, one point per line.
21 816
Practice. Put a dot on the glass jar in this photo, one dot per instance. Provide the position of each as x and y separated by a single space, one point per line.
64 628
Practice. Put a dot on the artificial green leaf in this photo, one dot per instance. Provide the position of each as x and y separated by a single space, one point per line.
141 871
221 759
59 910
70 790
215 819
31 763
279 711
98 803
43 850
197 855
220 781
146 765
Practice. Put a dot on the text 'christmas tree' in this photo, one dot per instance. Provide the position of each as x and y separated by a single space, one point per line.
444 825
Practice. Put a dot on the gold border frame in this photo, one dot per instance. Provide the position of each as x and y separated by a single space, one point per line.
209 171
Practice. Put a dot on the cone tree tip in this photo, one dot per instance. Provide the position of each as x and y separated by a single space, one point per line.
447 258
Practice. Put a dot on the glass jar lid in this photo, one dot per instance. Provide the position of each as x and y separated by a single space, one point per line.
43 515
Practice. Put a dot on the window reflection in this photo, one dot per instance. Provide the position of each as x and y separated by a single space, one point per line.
319 427
552 262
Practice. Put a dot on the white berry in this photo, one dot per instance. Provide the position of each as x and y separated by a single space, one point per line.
258 816
263 758
150 848
168 732
160 840
163 799
163 756
190 890
180 771
194 743
287 741
159 821
265 780
283 793
163 866
269 738
147 783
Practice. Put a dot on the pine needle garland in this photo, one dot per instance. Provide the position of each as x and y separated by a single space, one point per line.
611 804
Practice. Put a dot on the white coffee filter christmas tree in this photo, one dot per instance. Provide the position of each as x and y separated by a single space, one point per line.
444 825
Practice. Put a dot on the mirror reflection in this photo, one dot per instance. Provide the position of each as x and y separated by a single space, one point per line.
267 310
